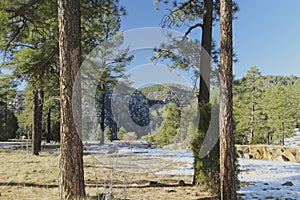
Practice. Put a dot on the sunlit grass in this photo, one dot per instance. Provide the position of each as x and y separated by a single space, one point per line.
25 176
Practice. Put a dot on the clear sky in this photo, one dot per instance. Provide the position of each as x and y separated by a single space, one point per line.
266 33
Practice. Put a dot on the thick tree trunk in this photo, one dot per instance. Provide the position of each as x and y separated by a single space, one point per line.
71 183
227 170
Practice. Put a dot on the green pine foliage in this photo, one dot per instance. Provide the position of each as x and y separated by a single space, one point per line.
206 168
107 134
265 108
29 42
248 108
8 119
8 123
281 112
169 128
296 97
121 133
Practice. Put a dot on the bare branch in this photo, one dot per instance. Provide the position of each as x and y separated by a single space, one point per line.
192 28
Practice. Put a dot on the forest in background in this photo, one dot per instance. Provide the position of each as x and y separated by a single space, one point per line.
265 110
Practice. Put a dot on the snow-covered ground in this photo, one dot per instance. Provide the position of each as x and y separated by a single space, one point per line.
293 141
267 179
139 157
260 179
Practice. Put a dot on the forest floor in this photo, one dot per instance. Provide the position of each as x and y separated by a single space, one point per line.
136 172
25 176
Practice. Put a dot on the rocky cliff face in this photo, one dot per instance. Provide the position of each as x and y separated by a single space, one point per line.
264 152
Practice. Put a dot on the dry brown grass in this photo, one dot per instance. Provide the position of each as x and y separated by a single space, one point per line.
25 176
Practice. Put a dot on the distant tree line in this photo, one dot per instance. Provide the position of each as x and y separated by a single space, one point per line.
8 120
265 108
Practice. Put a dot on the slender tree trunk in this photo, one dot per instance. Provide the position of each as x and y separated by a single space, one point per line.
48 138
102 120
71 182
37 121
227 170
35 129
100 107
252 119
40 117
283 136
204 93
6 115
205 59
102 114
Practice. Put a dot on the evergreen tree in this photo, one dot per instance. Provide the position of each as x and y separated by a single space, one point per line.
71 182
112 67
271 96
192 12
247 106
184 14
296 92
31 42
281 113
121 133
169 128
227 166
8 120
30 38
107 134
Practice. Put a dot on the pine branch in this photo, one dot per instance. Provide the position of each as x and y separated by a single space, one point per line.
21 10
167 19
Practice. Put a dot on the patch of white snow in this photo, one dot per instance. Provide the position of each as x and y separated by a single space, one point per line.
266 179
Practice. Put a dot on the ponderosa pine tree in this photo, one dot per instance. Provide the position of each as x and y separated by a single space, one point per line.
71 182
227 167
296 91
253 88
271 96
280 111
8 120
112 68
247 107
169 127
187 12
198 14
29 38
31 51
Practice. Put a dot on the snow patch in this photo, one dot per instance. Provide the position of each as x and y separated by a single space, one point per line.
265 179
293 141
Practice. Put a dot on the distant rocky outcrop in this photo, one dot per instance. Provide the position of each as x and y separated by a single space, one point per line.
265 152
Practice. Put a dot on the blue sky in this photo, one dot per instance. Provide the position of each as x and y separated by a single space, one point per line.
266 33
